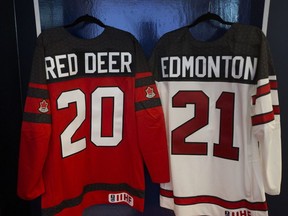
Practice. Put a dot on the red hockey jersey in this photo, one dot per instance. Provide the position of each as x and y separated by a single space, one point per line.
92 116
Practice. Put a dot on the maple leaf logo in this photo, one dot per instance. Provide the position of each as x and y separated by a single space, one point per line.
43 108
150 92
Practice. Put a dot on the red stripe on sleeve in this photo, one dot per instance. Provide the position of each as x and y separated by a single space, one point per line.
274 84
262 118
261 90
39 86
143 74
166 193
276 109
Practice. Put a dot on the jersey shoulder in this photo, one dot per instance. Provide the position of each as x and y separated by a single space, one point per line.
110 37
246 34
172 38
237 33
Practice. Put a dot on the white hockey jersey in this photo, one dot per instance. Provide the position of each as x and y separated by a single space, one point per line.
221 109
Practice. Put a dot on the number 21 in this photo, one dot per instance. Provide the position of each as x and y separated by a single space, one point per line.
224 149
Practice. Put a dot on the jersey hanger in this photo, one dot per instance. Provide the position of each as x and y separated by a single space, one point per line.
87 19
209 16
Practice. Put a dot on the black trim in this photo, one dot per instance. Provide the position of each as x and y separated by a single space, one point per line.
148 104
37 118
38 93
90 188
145 81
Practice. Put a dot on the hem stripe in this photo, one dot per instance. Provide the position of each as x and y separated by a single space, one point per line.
254 206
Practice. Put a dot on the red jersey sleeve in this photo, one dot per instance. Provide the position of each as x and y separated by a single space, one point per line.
35 132
151 124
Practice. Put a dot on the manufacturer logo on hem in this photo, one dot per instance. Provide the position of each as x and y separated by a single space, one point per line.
121 197
238 213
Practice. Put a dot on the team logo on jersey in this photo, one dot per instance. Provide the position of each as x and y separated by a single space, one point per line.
43 108
121 197
150 92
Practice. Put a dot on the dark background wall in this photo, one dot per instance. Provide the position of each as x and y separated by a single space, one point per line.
277 34
17 36
17 40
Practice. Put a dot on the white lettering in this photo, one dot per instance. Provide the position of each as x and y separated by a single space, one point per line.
200 68
100 62
50 66
250 69
72 60
188 65
163 67
209 67
60 66
226 59
171 69
90 58
213 67
113 62
126 60
237 67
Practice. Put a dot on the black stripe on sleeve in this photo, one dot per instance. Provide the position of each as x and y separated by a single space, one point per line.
37 118
37 93
147 104
146 81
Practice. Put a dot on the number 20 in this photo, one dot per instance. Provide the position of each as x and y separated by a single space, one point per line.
224 149
78 97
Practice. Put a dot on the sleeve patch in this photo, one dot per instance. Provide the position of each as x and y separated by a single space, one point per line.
43 108
150 92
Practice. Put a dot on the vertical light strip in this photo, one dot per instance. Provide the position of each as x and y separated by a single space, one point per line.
37 17
18 57
265 16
